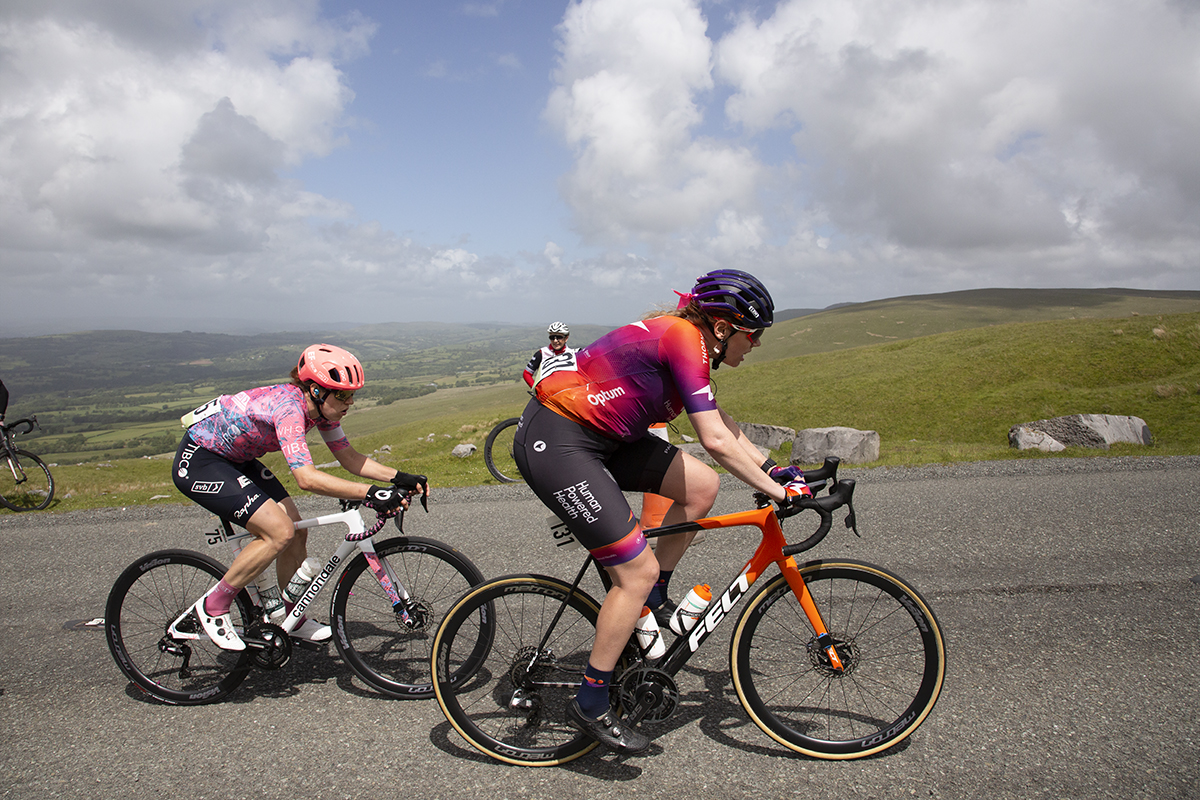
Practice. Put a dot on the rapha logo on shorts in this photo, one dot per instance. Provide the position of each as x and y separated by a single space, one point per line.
207 487
243 481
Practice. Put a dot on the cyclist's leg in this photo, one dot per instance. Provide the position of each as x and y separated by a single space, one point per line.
293 554
651 465
631 583
693 485
224 488
567 466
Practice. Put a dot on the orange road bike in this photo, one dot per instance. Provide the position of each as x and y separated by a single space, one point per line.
834 659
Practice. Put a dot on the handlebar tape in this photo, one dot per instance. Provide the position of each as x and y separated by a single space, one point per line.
841 495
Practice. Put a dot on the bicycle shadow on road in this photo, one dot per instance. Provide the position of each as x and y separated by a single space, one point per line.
719 714
306 667
599 763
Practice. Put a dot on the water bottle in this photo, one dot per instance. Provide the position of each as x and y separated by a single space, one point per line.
648 634
301 580
689 611
272 603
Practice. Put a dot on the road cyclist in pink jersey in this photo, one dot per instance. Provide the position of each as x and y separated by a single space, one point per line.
584 439
217 466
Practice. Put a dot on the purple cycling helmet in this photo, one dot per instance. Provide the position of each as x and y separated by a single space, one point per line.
735 295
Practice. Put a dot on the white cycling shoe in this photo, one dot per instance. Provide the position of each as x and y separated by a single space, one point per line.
219 629
313 631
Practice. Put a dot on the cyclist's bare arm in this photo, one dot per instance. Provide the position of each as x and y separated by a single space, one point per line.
363 466
730 448
311 479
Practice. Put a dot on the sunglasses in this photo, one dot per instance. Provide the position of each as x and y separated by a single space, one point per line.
754 334
557 338
344 395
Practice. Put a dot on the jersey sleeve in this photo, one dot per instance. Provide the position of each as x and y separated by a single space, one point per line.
531 367
290 430
682 350
333 436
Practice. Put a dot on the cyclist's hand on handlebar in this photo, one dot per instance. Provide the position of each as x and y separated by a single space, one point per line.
410 483
796 489
785 475
384 499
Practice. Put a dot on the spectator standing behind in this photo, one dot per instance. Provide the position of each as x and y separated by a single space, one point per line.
551 354
3 401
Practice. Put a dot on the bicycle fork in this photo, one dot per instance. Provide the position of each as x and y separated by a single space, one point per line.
824 640
402 603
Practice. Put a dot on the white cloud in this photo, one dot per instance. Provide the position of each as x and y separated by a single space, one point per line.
951 143
841 151
629 75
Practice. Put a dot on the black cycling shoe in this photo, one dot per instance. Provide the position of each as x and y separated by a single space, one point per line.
608 730
663 615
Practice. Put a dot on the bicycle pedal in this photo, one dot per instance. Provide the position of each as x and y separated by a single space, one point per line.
307 645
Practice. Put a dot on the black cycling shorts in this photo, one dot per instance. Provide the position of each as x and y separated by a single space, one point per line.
580 476
232 490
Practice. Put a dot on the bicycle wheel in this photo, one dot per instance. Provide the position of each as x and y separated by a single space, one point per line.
151 594
514 706
386 653
890 644
25 482
497 452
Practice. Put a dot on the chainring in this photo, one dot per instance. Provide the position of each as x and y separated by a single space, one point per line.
279 649
659 685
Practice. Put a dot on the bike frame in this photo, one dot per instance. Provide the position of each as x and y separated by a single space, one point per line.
769 551
391 585
10 446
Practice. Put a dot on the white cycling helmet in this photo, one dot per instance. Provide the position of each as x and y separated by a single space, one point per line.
559 327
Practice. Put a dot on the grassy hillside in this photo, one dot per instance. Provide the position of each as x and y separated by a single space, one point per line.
954 396
902 318
948 397
119 394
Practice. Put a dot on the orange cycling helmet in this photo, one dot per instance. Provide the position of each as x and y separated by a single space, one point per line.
330 367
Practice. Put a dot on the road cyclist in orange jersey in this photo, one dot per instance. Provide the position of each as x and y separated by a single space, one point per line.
583 440
217 466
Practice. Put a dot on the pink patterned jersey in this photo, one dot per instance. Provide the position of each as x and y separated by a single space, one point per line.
250 424
637 375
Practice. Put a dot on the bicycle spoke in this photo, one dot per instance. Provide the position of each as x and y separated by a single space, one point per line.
890 650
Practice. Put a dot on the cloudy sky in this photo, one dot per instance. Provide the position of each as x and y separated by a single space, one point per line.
233 164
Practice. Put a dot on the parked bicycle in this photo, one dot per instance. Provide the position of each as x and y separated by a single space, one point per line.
25 481
387 603
834 659
498 452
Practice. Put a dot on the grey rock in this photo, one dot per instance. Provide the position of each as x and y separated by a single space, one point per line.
1084 430
771 437
852 446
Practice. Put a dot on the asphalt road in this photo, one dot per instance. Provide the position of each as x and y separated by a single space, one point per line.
1068 591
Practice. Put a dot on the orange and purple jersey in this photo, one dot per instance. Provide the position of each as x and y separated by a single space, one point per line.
635 376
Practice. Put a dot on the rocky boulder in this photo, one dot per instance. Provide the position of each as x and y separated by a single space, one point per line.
1024 438
771 437
1079 430
463 451
852 446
